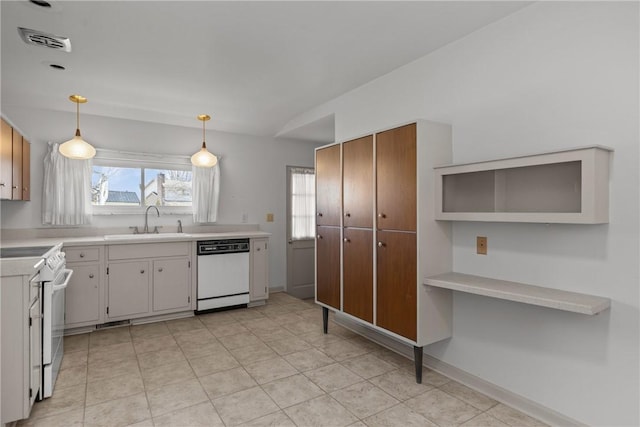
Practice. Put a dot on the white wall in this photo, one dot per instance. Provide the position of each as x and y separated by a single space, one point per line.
253 171
552 76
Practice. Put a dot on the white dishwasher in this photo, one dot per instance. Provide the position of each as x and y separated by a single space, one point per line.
223 273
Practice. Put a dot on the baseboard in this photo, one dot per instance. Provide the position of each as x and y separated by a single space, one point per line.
276 289
522 404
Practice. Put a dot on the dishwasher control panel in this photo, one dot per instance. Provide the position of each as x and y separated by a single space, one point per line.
227 246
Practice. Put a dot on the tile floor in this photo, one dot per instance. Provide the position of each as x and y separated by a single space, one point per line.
263 366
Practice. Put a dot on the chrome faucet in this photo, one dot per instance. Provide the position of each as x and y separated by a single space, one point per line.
146 220
179 226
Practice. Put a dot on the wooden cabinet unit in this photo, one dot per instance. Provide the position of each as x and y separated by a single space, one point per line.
328 186
388 195
15 164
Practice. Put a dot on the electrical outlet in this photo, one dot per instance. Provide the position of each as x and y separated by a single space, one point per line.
481 245
269 217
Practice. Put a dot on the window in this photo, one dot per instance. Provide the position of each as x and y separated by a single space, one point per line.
121 185
303 203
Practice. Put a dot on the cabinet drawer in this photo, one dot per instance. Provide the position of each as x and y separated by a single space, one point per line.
149 250
82 254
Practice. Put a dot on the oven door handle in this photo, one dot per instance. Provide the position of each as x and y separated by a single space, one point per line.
67 272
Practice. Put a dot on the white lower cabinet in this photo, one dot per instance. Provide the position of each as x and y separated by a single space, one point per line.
84 294
259 270
147 286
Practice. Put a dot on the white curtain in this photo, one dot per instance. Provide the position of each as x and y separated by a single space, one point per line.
303 203
66 198
205 194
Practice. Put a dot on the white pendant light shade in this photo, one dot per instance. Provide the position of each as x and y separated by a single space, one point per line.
76 147
203 158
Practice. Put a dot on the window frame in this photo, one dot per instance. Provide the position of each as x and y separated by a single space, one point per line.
125 159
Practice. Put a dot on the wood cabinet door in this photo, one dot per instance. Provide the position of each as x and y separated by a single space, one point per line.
259 269
26 169
16 169
328 266
83 295
328 186
171 284
396 285
128 289
358 273
396 178
6 168
357 186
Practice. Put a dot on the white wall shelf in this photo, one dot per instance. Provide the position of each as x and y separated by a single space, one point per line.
520 292
569 186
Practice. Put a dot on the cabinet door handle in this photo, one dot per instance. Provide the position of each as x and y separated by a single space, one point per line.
14 186
81 255
257 249
141 271
348 215
319 213
346 240
160 269
91 276
319 236
381 215
381 244
1 184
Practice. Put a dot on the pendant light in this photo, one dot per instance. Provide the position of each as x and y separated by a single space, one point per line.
76 147
204 158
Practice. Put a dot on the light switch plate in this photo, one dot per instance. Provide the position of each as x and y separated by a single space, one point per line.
481 245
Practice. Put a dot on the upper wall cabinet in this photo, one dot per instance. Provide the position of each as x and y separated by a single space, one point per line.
570 186
15 164
328 186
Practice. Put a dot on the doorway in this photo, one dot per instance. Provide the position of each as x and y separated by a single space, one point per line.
301 224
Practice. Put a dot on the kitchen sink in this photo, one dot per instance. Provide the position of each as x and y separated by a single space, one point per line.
150 236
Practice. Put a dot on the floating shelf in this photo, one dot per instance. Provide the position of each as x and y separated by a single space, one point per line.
569 186
520 292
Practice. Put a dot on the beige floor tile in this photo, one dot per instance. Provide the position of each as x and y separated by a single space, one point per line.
113 388
263 324
359 424
170 398
239 340
282 298
194 336
162 342
368 365
277 419
320 339
161 357
400 384
72 376
321 411
73 418
118 412
429 376
513 417
74 359
341 331
292 390
364 399
283 317
269 370
244 406
288 345
333 377
167 374
342 350
198 415
472 397
226 382
196 351
307 360
101 371
303 327
149 330
311 314
242 315
63 400
144 423
484 420
400 416
111 352
219 361
109 336
227 329
183 325
397 360
218 318
441 408
76 343
273 334
253 353
272 310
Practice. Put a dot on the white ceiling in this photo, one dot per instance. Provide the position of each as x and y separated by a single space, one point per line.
253 66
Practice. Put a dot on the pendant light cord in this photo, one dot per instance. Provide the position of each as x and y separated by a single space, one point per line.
204 145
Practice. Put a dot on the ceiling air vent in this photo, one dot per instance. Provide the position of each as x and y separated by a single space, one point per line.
40 38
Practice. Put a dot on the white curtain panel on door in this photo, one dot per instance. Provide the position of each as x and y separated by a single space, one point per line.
66 199
303 203
206 192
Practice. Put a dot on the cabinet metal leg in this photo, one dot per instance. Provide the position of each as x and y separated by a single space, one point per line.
325 319
417 357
